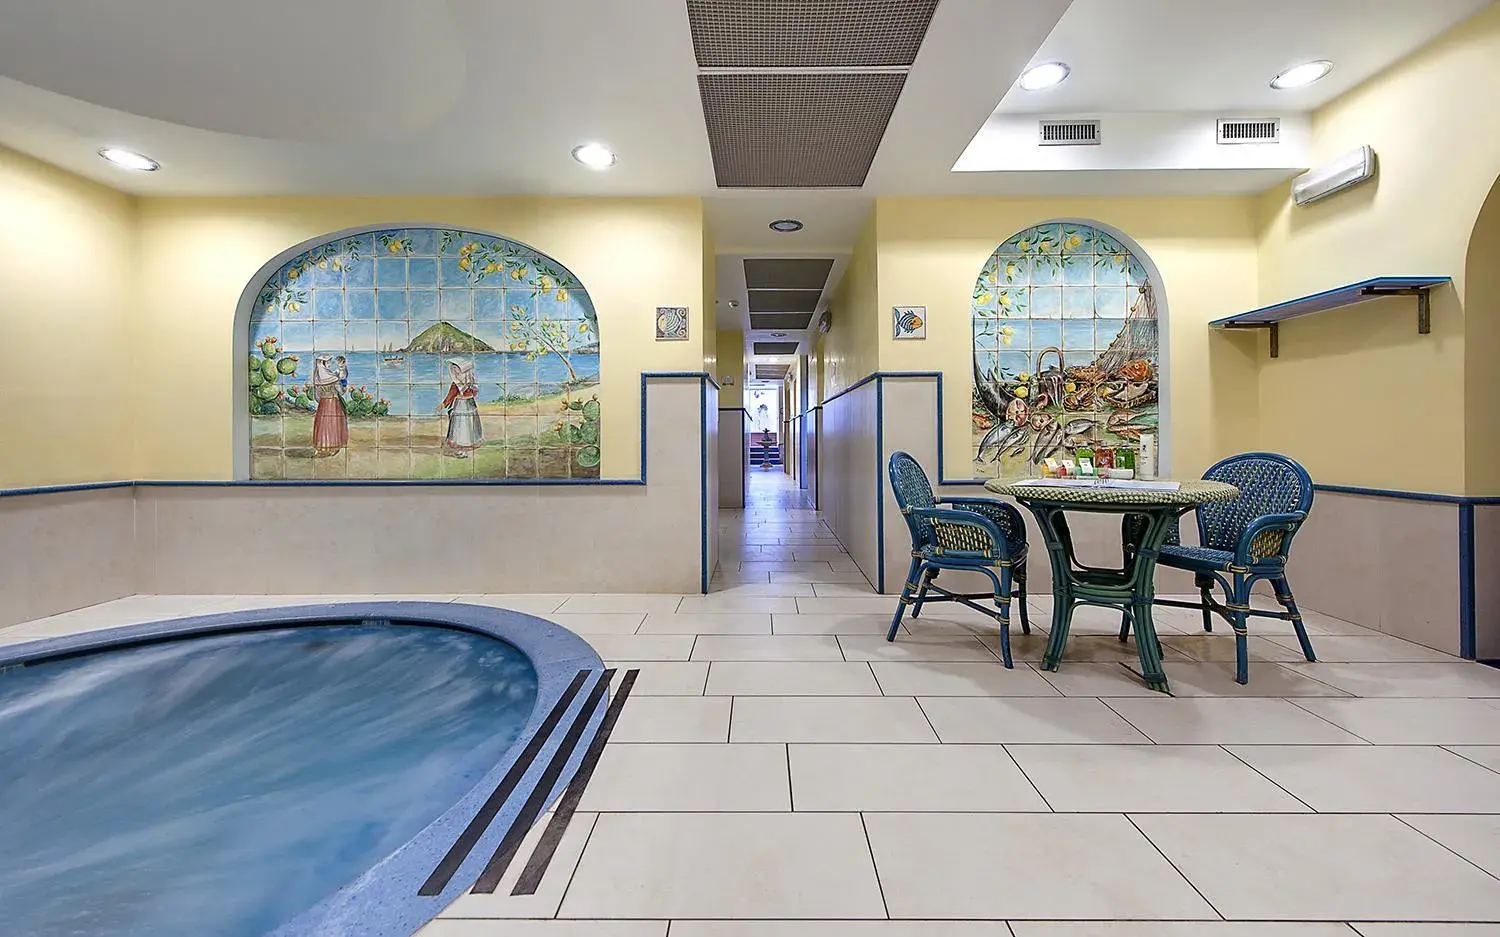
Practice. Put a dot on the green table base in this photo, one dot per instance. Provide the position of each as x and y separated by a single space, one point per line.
1130 589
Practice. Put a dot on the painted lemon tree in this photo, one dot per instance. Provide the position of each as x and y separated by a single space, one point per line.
423 353
1066 349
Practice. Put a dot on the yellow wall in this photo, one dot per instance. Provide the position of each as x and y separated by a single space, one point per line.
851 349
730 362
197 255
1482 347
1357 394
931 251
708 309
70 372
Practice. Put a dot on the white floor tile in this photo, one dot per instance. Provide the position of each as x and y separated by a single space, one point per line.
725 865
1266 679
831 624
1412 721
645 778
824 575
1408 929
1489 756
1377 778
1476 838
785 566
599 622
472 927
1431 680
833 590
1093 619
1148 779
1025 866
1211 721
848 605
791 678
707 623
975 778
1001 720
603 602
673 719
1367 649
642 646
1074 679
958 678
815 554
829 719
916 647
1220 647
726 602
846 929
761 589
665 678
530 604
1311 867
1177 929
767 648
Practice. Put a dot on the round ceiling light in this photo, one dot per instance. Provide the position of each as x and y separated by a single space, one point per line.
1044 76
778 335
786 225
594 155
1299 76
129 159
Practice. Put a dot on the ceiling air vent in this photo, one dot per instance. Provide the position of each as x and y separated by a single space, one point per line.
1249 130
1070 133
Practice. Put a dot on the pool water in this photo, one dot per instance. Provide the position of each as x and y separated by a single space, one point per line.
224 784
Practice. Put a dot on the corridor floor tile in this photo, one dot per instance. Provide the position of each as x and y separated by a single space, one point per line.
829 719
1377 778
1205 720
1411 721
978 778
791 678
1476 838
673 719
1017 720
644 778
958 678
665 678
1458 679
767 647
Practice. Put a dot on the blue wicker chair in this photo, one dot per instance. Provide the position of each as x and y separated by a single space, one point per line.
975 534
1244 541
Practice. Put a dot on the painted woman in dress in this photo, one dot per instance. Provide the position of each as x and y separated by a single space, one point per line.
330 424
465 432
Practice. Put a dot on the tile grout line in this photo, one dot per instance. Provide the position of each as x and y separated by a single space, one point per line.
1015 761
875 866
1247 764
791 797
1400 820
1293 701
1126 719
1449 750
1191 884
588 838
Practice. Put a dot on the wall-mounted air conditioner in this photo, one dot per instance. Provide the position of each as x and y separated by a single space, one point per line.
1348 170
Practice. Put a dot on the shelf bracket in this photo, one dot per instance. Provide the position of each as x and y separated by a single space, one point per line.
1273 327
1424 303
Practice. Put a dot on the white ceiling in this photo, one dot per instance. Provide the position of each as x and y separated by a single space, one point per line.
489 96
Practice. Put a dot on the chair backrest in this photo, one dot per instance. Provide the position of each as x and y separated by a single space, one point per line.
1269 483
913 492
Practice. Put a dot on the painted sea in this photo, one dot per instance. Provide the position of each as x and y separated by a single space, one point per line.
416 383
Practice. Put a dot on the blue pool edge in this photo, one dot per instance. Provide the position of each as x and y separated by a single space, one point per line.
384 900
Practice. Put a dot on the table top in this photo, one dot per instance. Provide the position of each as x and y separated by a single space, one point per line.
1193 492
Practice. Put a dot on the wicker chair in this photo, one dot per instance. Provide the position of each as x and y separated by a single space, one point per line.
974 534
1244 541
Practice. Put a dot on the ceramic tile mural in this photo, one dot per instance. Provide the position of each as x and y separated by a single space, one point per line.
423 353
1065 349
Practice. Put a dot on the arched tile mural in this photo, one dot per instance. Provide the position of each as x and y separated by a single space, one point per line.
1066 351
423 353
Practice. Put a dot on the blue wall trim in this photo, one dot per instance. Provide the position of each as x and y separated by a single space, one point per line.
1466 635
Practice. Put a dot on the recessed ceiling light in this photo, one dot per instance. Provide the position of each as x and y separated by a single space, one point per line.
778 335
1044 76
594 155
786 225
128 159
1301 75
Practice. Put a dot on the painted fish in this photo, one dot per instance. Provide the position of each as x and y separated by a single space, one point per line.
1000 438
1047 443
1020 443
1078 427
988 443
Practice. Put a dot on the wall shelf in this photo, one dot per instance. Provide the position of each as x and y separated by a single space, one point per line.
1268 317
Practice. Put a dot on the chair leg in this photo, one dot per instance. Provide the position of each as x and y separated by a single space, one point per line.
1205 584
906 591
1021 595
928 575
1284 596
1238 603
1002 602
1124 625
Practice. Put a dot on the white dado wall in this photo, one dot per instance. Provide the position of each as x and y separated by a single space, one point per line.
1388 563
69 549
732 457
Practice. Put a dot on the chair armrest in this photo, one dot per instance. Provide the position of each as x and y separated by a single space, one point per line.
984 539
1001 513
1266 536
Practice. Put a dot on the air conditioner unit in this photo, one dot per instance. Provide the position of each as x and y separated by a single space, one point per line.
1346 171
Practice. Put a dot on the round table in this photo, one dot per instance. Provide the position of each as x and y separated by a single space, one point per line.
1130 589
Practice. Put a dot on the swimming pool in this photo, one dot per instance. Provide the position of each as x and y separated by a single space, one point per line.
298 771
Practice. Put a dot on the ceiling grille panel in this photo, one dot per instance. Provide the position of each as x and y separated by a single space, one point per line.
805 301
807 33
787 320
775 348
771 372
796 130
787 274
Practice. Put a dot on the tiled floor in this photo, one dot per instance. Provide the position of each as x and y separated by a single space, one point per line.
781 769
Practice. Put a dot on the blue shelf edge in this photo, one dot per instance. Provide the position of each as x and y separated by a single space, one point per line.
1348 295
